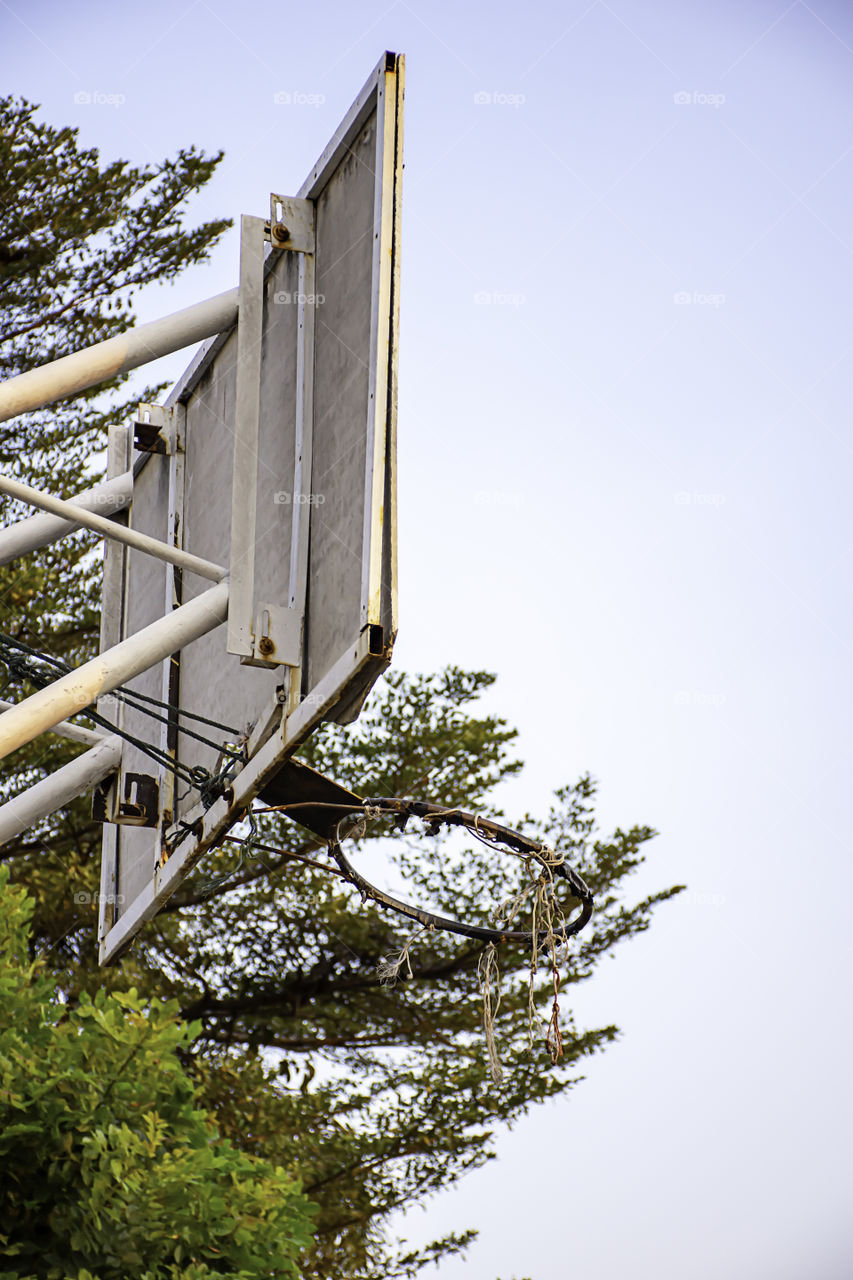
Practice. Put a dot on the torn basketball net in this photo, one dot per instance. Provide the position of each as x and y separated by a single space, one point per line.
550 929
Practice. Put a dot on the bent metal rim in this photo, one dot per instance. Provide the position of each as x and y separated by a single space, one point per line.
489 833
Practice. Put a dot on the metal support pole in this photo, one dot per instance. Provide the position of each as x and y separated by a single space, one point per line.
304 438
65 729
75 373
59 788
119 460
247 405
107 529
40 531
79 688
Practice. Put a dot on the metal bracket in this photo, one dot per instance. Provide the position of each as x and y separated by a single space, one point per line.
270 718
261 634
291 223
140 807
154 429
277 636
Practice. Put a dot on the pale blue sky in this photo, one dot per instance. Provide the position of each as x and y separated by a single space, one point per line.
625 462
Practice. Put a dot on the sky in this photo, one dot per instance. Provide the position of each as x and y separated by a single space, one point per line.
625 466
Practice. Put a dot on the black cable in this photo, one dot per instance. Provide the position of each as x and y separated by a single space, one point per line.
187 715
121 692
208 785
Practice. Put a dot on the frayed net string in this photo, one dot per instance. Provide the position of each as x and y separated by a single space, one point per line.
548 918
489 977
389 970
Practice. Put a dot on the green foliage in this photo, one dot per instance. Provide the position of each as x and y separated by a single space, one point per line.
77 240
110 1167
78 237
384 1090
375 1096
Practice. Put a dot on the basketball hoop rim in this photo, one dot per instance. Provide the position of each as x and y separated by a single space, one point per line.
488 831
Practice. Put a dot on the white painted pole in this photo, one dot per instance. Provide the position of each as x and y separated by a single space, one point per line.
72 374
107 529
60 788
65 729
79 688
40 531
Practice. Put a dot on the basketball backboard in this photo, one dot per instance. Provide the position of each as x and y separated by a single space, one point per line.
274 455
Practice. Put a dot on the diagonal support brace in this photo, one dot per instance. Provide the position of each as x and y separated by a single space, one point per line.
18 539
108 529
72 374
59 788
83 686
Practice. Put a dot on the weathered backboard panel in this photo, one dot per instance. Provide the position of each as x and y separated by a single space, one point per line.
316 488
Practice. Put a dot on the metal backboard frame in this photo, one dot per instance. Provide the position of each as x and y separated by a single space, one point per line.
296 403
